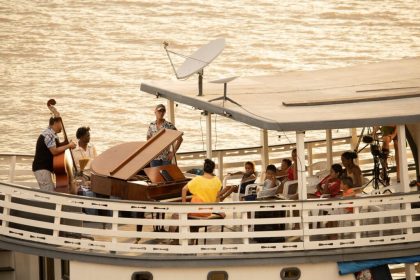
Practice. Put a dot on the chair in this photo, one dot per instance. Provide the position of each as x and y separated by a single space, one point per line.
213 216
287 185
237 177
235 195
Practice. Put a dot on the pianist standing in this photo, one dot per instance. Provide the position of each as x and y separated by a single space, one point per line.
165 158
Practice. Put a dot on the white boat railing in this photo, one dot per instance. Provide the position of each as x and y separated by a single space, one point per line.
57 220
16 168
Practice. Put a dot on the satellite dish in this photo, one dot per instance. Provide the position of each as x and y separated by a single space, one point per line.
201 58
197 61
224 81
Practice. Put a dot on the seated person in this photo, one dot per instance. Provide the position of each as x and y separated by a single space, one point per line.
248 177
331 183
204 189
284 168
84 153
352 170
270 181
292 171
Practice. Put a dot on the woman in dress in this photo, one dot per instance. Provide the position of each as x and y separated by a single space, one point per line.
352 170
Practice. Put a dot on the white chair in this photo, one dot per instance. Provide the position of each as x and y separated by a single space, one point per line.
236 178
287 185
250 189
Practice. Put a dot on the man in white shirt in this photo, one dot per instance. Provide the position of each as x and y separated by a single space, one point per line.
85 152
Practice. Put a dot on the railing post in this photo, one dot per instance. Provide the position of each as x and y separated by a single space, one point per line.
114 226
410 271
57 218
245 227
6 211
184 229
12 169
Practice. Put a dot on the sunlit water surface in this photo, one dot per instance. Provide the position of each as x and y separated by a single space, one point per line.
91 56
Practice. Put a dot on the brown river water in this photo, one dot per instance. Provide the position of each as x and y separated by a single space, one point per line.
91 56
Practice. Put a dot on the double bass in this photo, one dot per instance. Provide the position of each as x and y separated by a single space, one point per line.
62 176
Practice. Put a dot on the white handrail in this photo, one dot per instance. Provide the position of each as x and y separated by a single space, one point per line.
56 220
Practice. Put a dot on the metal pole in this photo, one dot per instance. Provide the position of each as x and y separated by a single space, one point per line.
200 83
209 152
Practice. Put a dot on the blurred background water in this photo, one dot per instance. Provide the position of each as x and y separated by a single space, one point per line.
91 56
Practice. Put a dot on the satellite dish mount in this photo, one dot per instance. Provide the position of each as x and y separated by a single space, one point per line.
195 63
224 97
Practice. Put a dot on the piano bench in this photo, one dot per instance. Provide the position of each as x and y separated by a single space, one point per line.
213 216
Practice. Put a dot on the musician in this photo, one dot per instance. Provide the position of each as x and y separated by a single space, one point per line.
167 155
46 149
84 150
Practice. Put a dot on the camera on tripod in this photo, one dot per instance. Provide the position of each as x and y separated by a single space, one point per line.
378 158
375 148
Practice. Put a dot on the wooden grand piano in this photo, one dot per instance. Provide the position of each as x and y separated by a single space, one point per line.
120 171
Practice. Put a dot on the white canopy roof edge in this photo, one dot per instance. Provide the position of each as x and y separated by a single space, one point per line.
363 95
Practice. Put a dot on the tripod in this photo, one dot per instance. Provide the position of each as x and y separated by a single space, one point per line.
376 178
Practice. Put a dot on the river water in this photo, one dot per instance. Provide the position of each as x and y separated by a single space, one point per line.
91 56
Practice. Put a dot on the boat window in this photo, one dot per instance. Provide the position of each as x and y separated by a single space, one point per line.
142 275
217 275
290 273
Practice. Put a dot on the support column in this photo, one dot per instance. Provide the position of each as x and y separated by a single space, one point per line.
209 152
403 169
171 111
402 156
328 138
354 138
300 150
264 149
410 271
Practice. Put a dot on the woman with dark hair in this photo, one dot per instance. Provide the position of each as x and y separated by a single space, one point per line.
204 189
331 183
351 169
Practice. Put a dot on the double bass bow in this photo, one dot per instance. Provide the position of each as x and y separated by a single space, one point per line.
62 176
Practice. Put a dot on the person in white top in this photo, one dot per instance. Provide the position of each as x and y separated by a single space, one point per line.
85 152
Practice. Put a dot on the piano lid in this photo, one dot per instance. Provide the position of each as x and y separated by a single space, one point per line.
126 160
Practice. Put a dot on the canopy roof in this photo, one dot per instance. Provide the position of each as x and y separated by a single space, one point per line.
382 93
